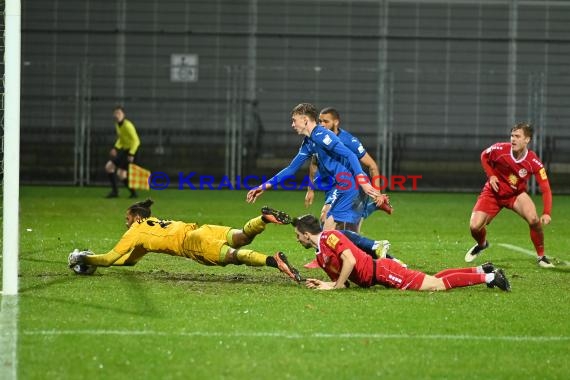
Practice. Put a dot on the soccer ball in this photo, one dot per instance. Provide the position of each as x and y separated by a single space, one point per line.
84 269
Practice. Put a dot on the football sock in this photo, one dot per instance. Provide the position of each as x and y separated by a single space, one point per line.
457 280
480 236
254 227
251 258
446 272
537 237
270 262
113 181
365 244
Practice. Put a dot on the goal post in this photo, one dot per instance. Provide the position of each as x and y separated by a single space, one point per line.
11 148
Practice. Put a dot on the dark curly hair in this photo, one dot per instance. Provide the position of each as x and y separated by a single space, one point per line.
141 209
307 223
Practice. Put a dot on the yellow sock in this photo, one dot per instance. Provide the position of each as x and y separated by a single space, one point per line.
250 257
254 227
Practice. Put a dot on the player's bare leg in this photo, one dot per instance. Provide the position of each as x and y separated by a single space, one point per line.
329 224
524 206
477 226
324 212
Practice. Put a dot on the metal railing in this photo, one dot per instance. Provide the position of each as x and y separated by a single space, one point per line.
213 126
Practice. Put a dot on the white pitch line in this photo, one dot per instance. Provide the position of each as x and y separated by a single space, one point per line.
518 249
9 337
285 335
525 251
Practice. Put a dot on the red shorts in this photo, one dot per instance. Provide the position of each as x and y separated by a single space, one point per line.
490 204
392 275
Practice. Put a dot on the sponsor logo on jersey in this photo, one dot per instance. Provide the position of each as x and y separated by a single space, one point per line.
522 173
395 279
542 173
332 241
360 149
513 180
327 140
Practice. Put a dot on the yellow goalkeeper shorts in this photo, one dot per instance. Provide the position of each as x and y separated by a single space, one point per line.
205 244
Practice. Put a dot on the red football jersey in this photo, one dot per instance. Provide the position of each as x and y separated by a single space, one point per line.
513 174
331 245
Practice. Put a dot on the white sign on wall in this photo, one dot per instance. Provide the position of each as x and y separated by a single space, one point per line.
183 67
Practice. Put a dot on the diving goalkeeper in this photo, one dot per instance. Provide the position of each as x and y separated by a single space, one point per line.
207 244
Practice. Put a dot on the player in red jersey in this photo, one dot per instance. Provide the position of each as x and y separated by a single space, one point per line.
343 261
509 166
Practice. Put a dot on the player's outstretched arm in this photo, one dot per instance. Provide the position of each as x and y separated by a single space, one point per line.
313 283
546 192
373 171
348 264
369 189
103 260
256 192
309 197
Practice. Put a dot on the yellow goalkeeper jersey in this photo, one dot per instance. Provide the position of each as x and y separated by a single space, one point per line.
127 137
155 235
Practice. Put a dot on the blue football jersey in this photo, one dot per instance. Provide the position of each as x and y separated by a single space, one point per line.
333 157
321 178
352 143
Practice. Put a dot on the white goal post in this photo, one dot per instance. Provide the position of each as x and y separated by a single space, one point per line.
11 148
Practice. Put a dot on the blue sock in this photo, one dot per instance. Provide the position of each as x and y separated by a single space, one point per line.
367 245
370 208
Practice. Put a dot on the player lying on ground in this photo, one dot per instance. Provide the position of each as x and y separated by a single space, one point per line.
343 261
509 166
207 244
377 249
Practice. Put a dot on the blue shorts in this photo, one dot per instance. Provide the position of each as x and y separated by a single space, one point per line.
364 205
343 205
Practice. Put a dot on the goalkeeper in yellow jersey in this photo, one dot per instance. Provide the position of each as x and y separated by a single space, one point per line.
207 244
123 152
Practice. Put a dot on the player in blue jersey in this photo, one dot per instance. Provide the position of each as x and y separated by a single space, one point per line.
335 161
330 119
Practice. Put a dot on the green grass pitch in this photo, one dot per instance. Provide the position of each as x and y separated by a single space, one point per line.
171 318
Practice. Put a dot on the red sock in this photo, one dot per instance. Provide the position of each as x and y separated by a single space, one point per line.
445 272
457 280
480 236
537 237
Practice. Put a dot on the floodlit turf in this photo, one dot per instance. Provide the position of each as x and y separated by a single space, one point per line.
171 318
